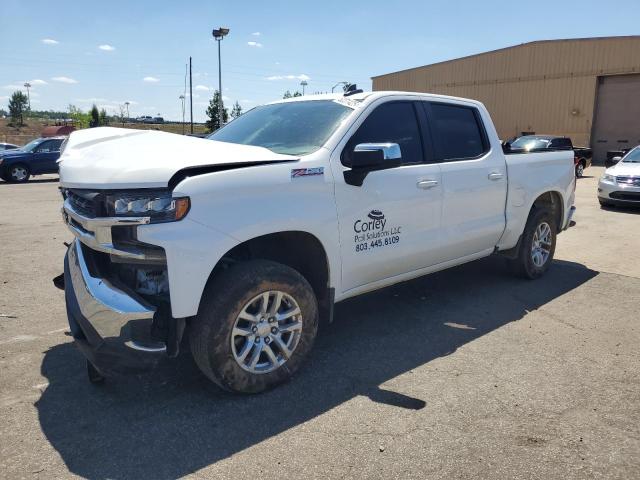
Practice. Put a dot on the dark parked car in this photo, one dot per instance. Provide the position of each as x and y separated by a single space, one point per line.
7 146
582 155
35 158
158 120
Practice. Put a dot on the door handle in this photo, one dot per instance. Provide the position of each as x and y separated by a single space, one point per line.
427 184
495 176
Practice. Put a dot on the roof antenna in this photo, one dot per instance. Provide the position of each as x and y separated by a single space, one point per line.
351 89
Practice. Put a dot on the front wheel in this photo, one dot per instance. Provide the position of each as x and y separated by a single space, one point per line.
256 324
537 245
18 173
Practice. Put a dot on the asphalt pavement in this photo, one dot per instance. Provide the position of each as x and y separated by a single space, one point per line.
466 373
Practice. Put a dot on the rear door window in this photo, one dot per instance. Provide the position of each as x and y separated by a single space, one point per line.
561 143
457 130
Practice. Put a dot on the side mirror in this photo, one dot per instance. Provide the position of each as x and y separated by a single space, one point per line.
368 157
371 155
616 159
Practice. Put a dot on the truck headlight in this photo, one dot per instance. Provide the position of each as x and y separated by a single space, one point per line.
160 206
609 178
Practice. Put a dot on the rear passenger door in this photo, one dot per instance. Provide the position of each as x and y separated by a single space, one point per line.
474 180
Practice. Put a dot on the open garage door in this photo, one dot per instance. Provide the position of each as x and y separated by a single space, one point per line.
617 115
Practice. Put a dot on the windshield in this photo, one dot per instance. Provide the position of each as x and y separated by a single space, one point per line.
632 157
31 145
293 128
530 143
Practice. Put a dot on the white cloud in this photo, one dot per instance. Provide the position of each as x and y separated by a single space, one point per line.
300 77
13 86
202 88
107 48
64 80
224 98
254 44
38 81
91 100
244 100
50 41
256 34
150 79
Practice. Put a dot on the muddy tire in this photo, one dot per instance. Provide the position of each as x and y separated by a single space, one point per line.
256 325
537 245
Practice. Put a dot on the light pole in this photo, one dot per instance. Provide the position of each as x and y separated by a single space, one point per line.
181 97
218 35
339 83
304 84
28 86
126 104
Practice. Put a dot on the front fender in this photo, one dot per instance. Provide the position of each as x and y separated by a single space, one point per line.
234 206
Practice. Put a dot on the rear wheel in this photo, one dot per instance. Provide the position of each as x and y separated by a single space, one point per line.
18 173
537 245
256 324
580 169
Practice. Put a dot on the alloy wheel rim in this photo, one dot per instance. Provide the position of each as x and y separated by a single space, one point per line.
19 173
580 170
541 245
266 332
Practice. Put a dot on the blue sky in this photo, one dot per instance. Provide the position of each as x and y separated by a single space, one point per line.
114 51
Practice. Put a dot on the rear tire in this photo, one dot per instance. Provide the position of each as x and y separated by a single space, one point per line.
537 245
18 173
580 169
247 344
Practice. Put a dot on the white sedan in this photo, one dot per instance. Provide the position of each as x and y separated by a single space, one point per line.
620 184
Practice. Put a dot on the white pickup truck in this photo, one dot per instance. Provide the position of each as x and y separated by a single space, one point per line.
244 241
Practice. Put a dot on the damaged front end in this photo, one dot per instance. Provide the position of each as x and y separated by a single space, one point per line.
116 287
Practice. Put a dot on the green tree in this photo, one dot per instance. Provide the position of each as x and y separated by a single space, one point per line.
95 117
288 94
236 111
17 107
215 104
104 120
80 118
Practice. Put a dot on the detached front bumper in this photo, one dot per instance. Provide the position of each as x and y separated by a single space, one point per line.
110 325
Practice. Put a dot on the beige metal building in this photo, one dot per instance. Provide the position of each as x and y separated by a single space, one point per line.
587 89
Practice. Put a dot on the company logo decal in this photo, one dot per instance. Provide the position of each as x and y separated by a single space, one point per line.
306 172
372 232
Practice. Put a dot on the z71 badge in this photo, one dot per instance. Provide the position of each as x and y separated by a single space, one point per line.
306 172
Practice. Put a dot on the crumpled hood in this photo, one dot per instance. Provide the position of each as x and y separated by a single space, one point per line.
113 158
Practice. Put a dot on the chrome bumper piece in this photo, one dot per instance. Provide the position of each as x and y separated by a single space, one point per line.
107 308
111 326
95 233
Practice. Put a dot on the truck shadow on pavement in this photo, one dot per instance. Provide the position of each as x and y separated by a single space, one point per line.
172 421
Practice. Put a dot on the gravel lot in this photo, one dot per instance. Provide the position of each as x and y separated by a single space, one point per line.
468 373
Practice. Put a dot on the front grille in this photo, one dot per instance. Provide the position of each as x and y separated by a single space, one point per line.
626 180
86 202
629 196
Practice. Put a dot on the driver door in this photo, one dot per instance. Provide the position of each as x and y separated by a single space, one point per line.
389 225
46 156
